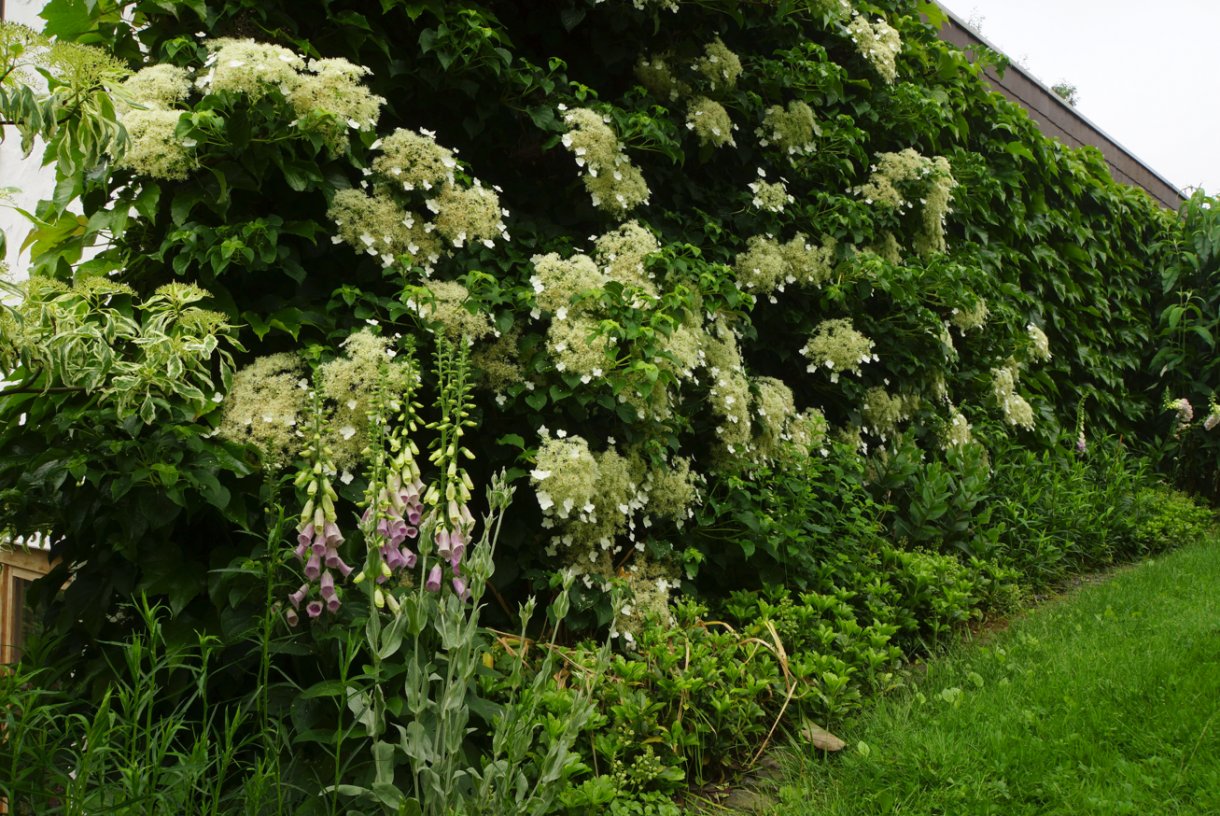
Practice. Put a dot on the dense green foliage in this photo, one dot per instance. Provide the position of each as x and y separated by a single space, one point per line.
775 304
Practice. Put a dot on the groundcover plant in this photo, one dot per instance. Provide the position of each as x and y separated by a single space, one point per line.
739 298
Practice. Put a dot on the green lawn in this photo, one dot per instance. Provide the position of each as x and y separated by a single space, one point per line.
1107 702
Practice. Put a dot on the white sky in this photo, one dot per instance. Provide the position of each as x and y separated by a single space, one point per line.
1146 72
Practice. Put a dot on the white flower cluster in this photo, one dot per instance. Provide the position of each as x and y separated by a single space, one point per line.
643 5
720 66
770 197
650 582
1016 409
558 282
576 346
792 130
249 67
879 43
1040 347
809 428
767 266
929 180
445 302
615 184
955 433
376 224
657 77
621 253
730 391
330 99
970 318
348 383
594 498
265 405
159 87
710 122
325 95
837 346
883 411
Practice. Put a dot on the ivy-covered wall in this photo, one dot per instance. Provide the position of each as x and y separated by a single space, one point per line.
675 238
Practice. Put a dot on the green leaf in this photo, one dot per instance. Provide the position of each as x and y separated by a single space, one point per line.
388 794
537 400
1018 149
511 439
326 688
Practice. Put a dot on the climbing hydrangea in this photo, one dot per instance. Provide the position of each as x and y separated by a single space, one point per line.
376 225
837 346
621 254
614 183
792 130
576 348
333 87
155 150
955 432
883 411
558 281
159 87
413 161
879 43
719 65
970 318
445 302
249 67
1017 411
1040 347
710 122
467 214
349 383
267 402
771 197
657 77
899 180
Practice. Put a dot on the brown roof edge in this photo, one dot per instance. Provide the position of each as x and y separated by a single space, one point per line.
1057 119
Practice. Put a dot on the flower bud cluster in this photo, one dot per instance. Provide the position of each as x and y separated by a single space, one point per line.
615 184
621 253
956 431
902 180
974 317
767 266
1040 347
449 497
730 389
267 400
445 302
1016 409
770 197
837 346
883 412
710 122
159 87
792 130
879 43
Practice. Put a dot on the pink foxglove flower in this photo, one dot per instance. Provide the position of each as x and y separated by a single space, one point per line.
291 617
327 585
459 586
297 597
314 609
313 567
434 580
